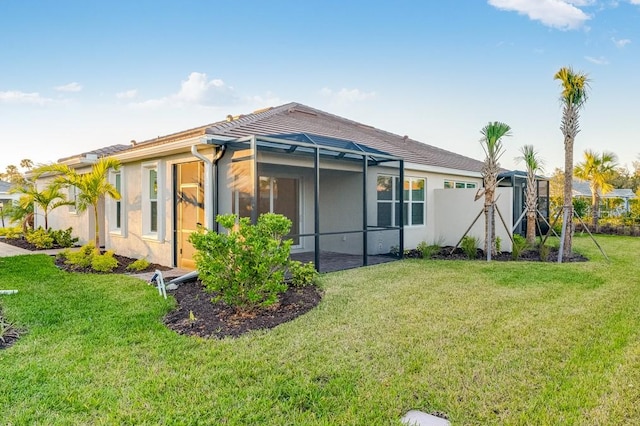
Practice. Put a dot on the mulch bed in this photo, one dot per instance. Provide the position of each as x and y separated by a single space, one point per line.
219 320
447 253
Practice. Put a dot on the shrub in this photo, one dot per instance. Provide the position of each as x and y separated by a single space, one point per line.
40 238
139 265
13 232
63 238
498 244
469 246
427 250
519 245
104 262
302 274
245 267
81 258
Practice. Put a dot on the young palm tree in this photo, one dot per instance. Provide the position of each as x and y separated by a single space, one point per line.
573 97
597 169
92 186
20 212
534 165
491 141
45 199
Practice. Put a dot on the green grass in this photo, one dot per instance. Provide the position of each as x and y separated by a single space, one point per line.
499 343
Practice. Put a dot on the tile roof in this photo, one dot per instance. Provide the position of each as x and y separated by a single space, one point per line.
100 152
297 118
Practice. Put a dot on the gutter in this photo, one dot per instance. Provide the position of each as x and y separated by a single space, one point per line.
210 177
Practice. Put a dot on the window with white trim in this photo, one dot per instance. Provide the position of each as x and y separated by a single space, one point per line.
449 184
117 207
72 195
413 193
152 214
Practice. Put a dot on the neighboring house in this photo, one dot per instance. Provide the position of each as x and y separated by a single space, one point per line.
6 199
340 182
582 189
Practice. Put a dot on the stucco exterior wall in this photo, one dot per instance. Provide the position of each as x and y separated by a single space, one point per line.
455 210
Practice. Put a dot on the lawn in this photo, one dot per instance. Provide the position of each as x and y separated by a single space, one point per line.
498 343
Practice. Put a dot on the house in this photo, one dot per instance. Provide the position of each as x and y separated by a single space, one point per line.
349 188
616 201
6 199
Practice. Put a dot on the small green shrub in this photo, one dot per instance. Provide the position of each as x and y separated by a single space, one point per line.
104 262
139 265
543 251
11 232
427 250
63 238
302 274
244 267
469 246
498 244
81 258
519 245
40 238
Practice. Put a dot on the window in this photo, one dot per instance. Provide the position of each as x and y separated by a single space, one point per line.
73 196
276 195
413 195
152 213
458 184
117 213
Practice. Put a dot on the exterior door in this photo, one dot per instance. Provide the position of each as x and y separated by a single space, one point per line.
190 209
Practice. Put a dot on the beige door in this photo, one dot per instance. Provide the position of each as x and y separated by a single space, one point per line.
190 209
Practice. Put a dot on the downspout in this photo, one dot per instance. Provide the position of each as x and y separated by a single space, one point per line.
210 181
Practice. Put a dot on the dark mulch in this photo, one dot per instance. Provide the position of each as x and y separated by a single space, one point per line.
447 253
123 261
122 268
220 320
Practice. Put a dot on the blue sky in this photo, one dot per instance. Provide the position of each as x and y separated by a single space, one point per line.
78 75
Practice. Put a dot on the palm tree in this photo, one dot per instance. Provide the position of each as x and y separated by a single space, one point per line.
573 97
92 186
533 162
597 169
45 199
20 212
491 141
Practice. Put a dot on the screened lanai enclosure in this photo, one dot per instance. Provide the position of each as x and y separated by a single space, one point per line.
327 187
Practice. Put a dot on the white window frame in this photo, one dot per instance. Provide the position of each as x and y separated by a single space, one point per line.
72 195
396 198
147 233
459 184
113 205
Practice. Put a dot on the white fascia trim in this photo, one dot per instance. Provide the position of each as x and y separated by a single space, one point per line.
439 170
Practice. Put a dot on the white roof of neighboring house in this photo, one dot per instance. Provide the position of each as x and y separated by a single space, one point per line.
581 189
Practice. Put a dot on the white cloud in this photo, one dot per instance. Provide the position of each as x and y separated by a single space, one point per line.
622 42
197 89
347 95
128 94
561 14
598 61
71 87
634 1
17 97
